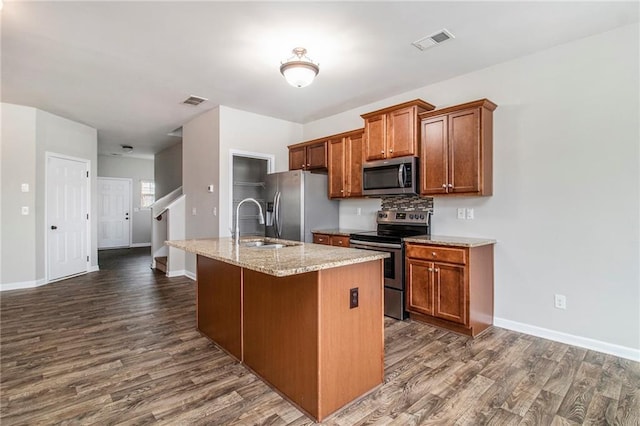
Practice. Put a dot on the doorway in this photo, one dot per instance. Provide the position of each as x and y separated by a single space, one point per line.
249 171
67 216
114 213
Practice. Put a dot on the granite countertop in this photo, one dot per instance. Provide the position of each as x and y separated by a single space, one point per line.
440 240
295 258
345 232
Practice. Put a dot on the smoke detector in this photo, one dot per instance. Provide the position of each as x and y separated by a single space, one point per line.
194 100
433 39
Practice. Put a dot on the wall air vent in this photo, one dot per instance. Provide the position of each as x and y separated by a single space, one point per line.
194 100
433 39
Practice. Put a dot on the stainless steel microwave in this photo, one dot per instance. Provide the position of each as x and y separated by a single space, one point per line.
389 177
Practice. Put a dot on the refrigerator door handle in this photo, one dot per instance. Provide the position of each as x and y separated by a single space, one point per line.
276 209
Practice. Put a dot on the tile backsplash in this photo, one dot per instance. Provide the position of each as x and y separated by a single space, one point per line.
407 202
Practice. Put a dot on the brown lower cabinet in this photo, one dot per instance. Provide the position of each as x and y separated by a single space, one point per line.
299 333
450 287
331 240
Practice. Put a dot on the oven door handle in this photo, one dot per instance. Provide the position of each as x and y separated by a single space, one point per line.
368 245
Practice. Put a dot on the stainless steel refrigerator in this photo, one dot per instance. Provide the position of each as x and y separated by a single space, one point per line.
297 202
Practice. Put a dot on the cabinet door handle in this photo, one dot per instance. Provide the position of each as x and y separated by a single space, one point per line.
450 185
430 269
434 254
444 185
437 270
391 150
308 164
382 152
302 165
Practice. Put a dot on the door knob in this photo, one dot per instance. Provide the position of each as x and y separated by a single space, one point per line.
54 227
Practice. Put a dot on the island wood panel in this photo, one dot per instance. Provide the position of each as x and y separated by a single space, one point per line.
481 287
301 336
219 303
351 340
281 334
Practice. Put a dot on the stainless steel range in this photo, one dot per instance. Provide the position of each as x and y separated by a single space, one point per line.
393 226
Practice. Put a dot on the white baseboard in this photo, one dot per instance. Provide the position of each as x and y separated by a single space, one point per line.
22 284
134 245
570 339
181 273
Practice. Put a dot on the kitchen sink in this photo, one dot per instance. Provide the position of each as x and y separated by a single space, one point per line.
262 244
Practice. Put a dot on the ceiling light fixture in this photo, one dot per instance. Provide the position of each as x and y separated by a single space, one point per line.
127 148
299 70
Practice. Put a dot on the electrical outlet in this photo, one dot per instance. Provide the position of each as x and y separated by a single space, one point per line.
194 211
560 301
470 214
353 298
359 211
215 211
25 210
461 214
24 187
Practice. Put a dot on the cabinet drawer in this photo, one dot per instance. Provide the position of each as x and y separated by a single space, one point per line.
440 254
339 241
321 239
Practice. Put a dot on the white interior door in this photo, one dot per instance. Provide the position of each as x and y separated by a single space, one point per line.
67 217
114 215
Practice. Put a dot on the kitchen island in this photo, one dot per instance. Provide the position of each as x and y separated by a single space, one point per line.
306 318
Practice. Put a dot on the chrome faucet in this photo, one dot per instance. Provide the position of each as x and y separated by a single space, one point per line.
236 235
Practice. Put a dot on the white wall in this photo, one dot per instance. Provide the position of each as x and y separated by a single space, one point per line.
200 165
136 169
245 131
27 135
168 170
18 232
566 203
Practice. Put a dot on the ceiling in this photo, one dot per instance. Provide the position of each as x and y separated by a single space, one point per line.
125 67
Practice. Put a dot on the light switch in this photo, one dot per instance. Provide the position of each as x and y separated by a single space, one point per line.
24 187
210 188
461 213
194 211
25 210
215 211
470 214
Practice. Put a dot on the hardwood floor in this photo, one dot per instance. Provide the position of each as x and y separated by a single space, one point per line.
119 346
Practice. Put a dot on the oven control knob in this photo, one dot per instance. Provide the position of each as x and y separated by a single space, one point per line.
410 216
421 216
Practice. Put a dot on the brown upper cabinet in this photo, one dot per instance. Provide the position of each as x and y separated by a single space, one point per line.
393 131
310 155
457 150
345 164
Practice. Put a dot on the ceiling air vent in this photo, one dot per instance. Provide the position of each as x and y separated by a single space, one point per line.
194 100
433 39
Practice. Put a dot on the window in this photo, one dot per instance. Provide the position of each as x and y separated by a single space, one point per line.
147 193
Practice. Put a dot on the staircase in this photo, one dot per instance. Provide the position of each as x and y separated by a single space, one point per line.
161 263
